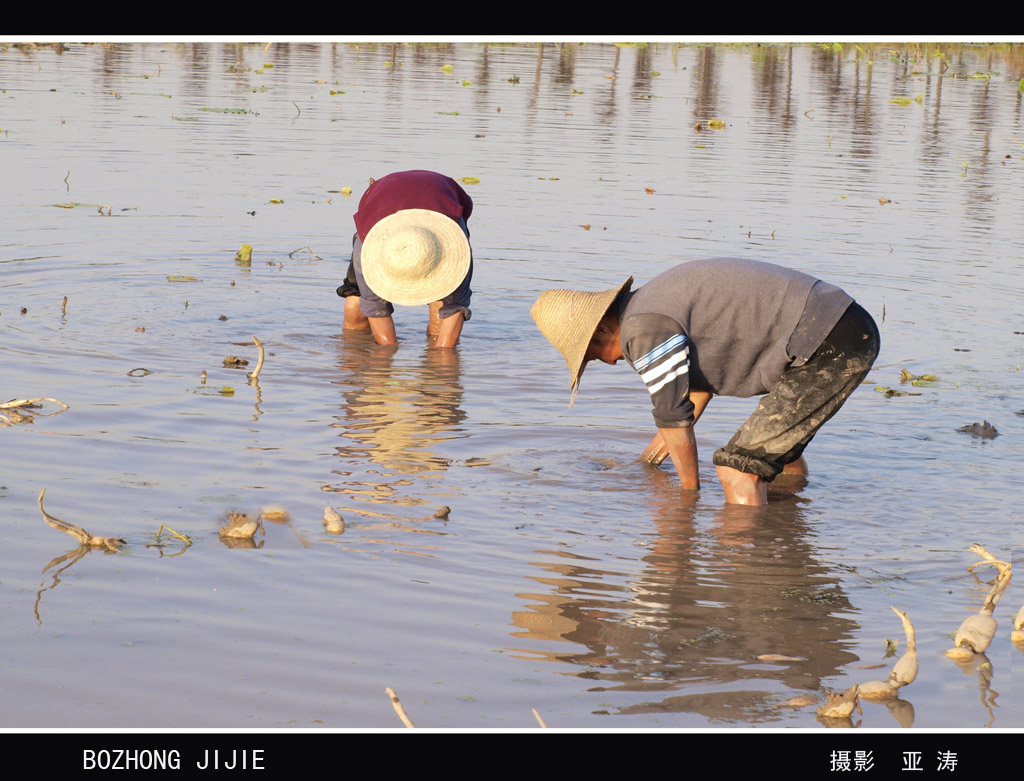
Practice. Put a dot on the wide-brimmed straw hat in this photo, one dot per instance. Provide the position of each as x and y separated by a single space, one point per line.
415 256
569 320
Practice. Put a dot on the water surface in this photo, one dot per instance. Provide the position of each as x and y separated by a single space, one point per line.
568 576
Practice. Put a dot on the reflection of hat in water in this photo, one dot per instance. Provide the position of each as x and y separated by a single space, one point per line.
569 319
415 256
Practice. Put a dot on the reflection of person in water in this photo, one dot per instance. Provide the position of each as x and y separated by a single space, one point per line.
705 605
396 412
411 247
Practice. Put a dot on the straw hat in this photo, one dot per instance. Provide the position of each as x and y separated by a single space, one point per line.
415 256
569 320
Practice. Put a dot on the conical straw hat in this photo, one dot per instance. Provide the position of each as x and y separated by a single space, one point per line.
415 256
569 319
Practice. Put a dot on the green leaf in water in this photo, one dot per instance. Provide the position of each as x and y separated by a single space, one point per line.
447 68
449 113
225 110
467 83
900 101
181 278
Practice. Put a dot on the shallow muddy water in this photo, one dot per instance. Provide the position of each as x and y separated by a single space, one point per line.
568 578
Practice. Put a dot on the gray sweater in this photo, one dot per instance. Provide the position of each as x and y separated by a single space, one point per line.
724 325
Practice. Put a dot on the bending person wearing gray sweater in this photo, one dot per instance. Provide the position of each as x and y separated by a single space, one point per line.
723 326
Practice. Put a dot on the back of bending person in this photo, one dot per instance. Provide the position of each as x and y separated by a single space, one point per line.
723 326
411 247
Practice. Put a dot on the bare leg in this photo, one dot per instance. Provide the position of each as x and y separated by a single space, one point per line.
449 330
798 467
354 319
434 323
383 330
742 487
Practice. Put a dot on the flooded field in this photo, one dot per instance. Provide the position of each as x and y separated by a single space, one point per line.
568 577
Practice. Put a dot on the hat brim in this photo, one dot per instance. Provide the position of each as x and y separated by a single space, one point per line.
453 261
569 319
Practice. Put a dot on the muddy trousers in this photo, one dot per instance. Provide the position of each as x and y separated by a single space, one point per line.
806 396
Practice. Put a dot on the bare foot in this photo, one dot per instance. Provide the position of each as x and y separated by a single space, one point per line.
742 487
798 467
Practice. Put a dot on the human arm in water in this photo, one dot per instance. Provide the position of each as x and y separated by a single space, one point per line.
657 451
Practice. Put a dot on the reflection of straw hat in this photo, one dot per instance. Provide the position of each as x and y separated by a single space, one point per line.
569 319
415 256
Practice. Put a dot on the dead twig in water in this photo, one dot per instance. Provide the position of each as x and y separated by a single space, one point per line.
255 373
397 705
63 307
14 403
305 248
80 534
988 559
29 404
539 719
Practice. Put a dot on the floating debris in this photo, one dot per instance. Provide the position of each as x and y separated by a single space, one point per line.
244 255
242 525
80 534
904 672
918 379
976 632
985 430
890 392
255 373
141 371
840 706
1017 635
442 512
397 705
15 409
234 362
333 522
275 514
780 658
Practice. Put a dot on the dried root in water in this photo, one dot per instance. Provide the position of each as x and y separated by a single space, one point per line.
333 522
80 534
903 673
976 632
17 407
242 525
840 706
255 373
397 705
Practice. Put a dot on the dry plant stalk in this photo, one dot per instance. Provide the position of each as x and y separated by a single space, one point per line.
255 373
397 705
80 534
539 719
15 403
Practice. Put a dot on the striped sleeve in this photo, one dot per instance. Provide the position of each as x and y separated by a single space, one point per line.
659 351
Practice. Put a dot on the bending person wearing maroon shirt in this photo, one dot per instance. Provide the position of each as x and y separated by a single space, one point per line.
411 247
